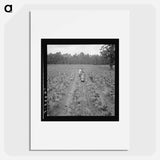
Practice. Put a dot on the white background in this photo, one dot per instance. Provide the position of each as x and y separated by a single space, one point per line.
79 24
144 80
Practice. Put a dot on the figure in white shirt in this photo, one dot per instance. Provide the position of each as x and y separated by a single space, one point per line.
80 72
81 75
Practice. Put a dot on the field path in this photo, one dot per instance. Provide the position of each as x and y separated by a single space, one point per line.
69 94
76 101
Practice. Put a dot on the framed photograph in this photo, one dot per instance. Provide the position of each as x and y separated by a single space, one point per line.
80 79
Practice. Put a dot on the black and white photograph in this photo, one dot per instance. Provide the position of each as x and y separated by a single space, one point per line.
79 79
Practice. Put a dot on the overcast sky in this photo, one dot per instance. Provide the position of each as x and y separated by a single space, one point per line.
72 49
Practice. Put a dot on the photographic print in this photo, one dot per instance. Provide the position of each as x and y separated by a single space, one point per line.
80 79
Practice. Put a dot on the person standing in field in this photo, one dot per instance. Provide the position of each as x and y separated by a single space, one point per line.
80 72
81 75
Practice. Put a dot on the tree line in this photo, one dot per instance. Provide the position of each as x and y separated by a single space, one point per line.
107 56
58 58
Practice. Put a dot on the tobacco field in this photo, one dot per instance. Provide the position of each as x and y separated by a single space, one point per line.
67 95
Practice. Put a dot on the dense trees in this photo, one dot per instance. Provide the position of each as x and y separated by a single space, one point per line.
81 58
108 52
107 56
